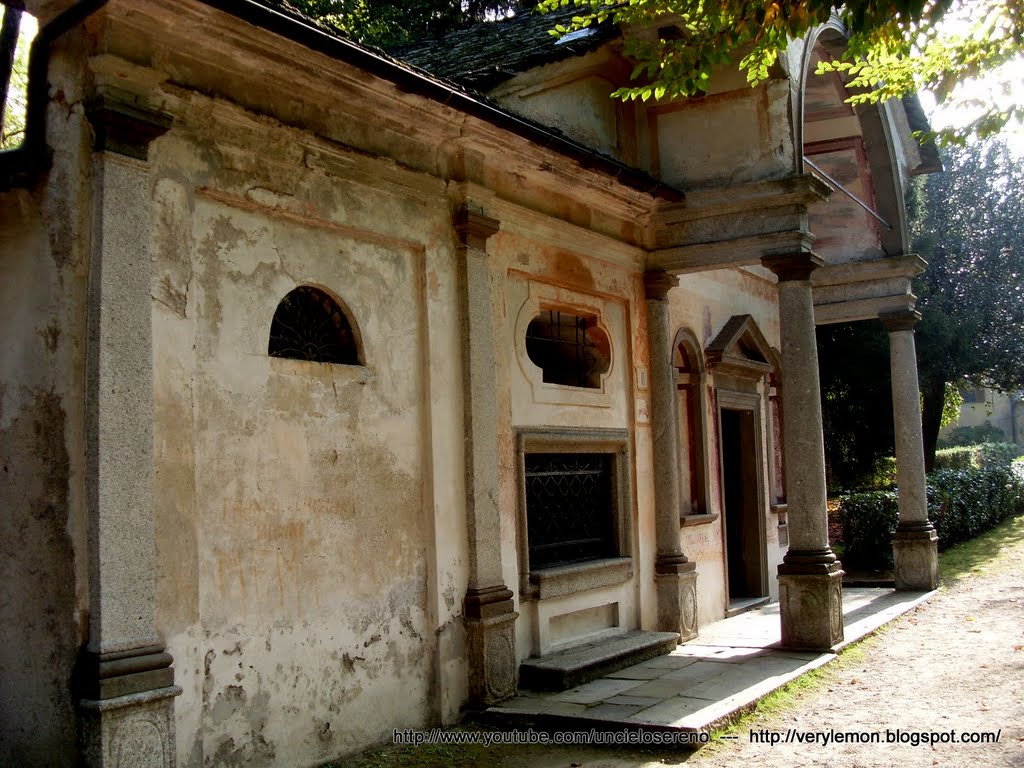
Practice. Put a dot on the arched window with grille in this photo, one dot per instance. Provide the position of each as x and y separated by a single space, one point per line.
310 324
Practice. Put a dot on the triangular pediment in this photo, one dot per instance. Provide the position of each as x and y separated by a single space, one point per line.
741 349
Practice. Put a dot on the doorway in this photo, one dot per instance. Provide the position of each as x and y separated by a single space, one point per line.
744 536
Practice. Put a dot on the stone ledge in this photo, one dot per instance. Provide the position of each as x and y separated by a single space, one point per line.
689 521
578 577
575 666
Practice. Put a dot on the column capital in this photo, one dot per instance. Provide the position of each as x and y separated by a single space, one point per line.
901 320
124 126
657 284
474 228
793 266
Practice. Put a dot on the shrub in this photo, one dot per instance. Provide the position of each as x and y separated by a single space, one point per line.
869 521
964 457
962 503
998 454
981 456
883 477
982 433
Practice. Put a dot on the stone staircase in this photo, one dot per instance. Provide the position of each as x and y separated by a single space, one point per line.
582 663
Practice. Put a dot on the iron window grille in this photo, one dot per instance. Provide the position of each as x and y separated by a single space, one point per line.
310 325
570 508
570 350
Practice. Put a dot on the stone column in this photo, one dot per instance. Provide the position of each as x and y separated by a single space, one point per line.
675 576
488 608
915 544
810 577
124 678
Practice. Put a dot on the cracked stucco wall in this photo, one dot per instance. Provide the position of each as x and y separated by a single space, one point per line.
292 541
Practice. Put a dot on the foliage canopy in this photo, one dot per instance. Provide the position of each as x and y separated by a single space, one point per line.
388 24
895 47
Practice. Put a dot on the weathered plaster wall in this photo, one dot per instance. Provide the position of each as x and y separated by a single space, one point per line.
734 134
571 98
39 636
294 539
44 241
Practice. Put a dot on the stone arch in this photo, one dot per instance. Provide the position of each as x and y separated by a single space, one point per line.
871 136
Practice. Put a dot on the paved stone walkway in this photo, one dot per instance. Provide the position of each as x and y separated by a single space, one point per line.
730 666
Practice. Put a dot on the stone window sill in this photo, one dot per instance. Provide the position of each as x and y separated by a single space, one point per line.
579 577
688 521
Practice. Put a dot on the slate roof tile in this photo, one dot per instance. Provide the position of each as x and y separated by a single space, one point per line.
483 55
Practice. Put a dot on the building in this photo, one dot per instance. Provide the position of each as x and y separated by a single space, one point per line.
334 389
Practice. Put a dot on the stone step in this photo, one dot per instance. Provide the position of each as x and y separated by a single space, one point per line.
583 663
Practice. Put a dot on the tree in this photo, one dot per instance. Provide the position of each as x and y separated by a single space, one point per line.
387 24
895 47
856 401
967 224
12 72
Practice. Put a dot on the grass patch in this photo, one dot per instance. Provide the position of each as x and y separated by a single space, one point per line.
973 557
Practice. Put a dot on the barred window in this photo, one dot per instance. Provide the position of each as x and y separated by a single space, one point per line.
570 349
311 325
569 508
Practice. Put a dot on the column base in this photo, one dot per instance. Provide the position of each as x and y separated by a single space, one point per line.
134 730
915 551
490 621
811 606
676 587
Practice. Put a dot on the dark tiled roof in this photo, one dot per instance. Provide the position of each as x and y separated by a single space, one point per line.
482 55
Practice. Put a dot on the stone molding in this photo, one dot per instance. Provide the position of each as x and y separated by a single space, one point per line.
903 320
123 125
793 266
657 284
102 676
474 228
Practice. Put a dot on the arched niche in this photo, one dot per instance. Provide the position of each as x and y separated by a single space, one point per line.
688 361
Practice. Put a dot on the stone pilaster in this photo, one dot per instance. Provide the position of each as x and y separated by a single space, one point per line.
124 678
675 576
488 608
810 577
915 543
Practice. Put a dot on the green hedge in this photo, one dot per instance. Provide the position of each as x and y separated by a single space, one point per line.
961 503
983 433
976 456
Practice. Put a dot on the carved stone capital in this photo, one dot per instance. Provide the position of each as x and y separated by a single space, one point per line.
793 266
904 320
124 126
657 284
474 228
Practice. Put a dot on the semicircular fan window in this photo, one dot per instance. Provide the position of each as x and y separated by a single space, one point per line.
311 325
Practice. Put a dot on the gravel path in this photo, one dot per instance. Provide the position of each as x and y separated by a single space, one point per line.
955 664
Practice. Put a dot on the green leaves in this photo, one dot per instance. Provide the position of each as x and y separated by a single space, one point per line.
895 46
